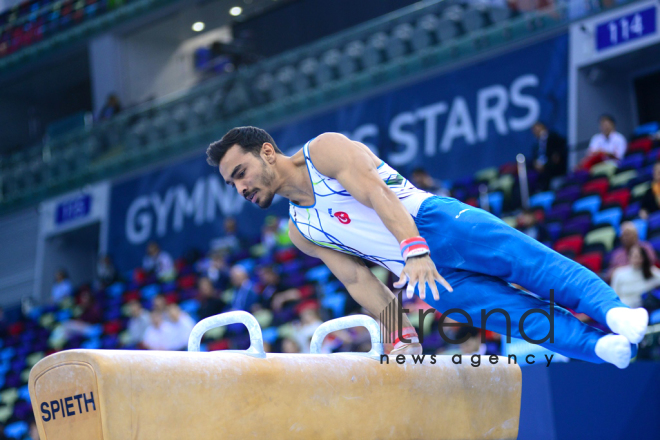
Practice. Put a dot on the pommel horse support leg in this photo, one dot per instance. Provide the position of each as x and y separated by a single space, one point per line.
145 395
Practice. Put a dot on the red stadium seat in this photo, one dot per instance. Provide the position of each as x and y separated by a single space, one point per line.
509 168
640 145
571 243
592 261
597 186
187 281
620 197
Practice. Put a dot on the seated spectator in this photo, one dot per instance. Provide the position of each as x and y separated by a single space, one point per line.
159 304
89 313
651 199
62 288
290 346
137 323
422 180
158 334
629 238
209 302
269 233
526 223
243 289
305 328
231 241
608 144
159 263
217 270
181 324
634 279
111 108
550 155
106 273
269 284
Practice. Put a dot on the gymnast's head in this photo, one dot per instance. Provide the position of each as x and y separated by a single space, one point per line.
246 158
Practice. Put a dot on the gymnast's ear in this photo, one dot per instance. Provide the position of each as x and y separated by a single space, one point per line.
268 152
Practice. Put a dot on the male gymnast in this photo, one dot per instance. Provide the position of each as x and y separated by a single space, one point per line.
347 206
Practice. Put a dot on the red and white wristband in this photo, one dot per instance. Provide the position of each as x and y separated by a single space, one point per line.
407 333
414 247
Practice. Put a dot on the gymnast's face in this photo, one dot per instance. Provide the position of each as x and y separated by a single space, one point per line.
252 176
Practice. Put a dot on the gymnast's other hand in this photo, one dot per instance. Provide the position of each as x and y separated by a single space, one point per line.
420 271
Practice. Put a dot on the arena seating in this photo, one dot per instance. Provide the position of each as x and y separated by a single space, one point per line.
389 48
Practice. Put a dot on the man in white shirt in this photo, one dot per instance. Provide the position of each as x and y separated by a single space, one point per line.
181 324
158 336
608 144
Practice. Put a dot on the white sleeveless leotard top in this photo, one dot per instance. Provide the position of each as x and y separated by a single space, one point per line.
337 221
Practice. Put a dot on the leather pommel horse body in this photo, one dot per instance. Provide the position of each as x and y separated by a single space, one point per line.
144 395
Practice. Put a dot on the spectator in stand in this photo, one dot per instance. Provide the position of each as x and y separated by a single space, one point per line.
106 273
159 262
159 304
181 324
111 108
608 144
217 270
422 180
526 223
305 328
159 333
629 238
137 323
550 155
244 294
651 200
90 314
231 241
209 302
269 285
634 279
269 233
62 288
290 346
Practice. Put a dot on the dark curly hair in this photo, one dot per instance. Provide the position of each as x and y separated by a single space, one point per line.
250 139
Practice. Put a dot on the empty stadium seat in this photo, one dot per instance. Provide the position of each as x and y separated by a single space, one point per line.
544 200
643 145
590 204
572 243
591 260
607 168
622 178
596 186
620 197
610 216
605 235
642 226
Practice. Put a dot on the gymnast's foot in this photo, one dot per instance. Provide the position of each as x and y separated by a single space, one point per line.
415 348
631 323
614 349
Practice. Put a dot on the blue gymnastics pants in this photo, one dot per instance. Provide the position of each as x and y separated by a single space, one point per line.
479 255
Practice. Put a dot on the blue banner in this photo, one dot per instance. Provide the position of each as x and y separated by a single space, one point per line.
459 122
452 124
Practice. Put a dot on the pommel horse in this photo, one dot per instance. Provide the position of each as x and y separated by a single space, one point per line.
232 394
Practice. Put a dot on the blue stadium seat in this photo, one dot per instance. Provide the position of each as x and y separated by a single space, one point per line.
543 199
641 226
148 292
496 200
610 216
270 334
589 203
91 344
24 393
319 274
116 289
190 306
16 430
335 303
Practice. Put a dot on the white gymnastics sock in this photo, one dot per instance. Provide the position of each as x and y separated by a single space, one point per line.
631 323
614 349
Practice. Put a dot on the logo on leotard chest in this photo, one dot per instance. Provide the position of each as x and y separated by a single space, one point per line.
341 216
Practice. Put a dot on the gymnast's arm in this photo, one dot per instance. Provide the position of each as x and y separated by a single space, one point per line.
358 279
354 166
